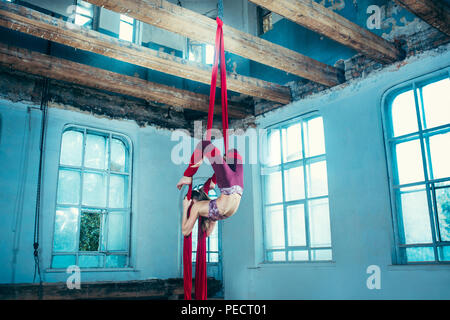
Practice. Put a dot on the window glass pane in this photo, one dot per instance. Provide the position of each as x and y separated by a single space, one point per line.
415 216
209 54
440 154
314 137
71 146
443 209
320 255
95 155
116 261
83 21
296 225
85 10
436 100
66 228
83 4
118 191
298 255
63 261
420 254
319 223
90 228
444 253
90 261
273 188
213 257
276 256
117 235
213 244
404 116
118 156
409 162
294 184
317 179
126 31
292 143
94 190
126 18
68 187
274 227
273 150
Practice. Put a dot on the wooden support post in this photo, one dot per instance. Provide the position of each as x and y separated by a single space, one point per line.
434 12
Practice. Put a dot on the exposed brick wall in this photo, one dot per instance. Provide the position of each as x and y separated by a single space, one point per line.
360 66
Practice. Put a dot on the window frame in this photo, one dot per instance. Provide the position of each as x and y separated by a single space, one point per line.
83 208
93 19
420 135
303 161
203 48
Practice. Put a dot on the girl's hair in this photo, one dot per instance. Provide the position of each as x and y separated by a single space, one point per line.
199 195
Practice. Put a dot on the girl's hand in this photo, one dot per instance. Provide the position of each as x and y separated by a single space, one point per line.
184 180
186 203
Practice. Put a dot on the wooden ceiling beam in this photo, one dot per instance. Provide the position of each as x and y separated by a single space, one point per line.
434 12
326 22
60 69
34 23
196 26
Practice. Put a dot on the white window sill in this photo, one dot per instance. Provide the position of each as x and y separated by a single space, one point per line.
419 266
295 264
94 270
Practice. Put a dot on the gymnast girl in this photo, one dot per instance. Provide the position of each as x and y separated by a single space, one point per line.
228 175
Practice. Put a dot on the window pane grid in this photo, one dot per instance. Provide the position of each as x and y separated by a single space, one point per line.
434 171
304 160
103 257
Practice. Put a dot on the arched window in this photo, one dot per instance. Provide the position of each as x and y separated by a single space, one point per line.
295 192
93 205
418 143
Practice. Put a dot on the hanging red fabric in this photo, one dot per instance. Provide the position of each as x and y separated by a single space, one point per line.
200 265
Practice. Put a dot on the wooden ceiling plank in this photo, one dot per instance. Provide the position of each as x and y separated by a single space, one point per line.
195 26
326 22
60 69
434 12
32 22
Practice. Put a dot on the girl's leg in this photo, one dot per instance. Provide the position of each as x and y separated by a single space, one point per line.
203 149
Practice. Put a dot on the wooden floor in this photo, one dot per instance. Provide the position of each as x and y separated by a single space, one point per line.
155 289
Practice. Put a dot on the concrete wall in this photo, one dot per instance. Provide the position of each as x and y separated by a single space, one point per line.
360 214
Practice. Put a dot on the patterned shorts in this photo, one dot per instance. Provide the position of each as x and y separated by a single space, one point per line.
214 214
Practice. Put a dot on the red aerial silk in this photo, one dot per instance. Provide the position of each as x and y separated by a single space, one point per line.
200 265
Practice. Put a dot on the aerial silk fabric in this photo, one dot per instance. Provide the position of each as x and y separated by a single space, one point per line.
200 265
